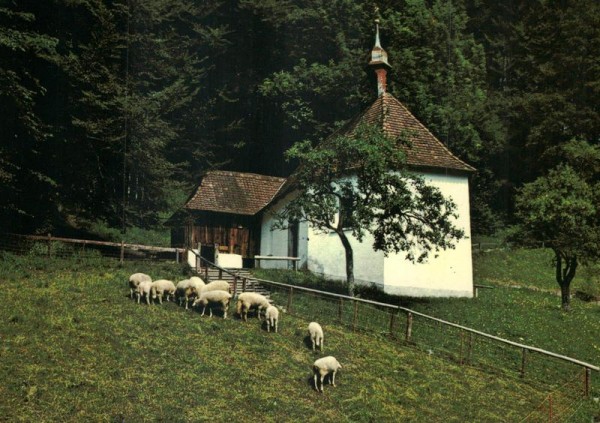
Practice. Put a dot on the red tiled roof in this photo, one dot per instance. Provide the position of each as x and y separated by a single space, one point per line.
234 192
426 151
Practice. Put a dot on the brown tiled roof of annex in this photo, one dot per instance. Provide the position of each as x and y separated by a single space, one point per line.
426 151
234 192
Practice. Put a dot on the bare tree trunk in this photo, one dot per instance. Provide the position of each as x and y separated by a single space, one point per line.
349 262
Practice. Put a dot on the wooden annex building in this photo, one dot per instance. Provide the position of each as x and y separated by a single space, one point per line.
225 210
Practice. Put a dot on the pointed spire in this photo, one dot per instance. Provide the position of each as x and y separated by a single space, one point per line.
377 42
379 62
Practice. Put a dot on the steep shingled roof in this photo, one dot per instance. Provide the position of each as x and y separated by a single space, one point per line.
234 192
395 120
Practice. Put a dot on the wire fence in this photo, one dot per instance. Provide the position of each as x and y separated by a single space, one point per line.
560 405
568 380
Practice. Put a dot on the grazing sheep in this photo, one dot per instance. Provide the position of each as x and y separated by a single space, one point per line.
134 281
248 300
220 297
162 287
323 367
197 279
183 291
217 285
272 317
144 288
316 335
196 285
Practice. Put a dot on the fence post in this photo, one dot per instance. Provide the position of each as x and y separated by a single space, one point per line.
176 255
289 304
409 323
523 362
462 341
122 251
392 322
588 382
469 348
49 244
205 271
355 317
244 281
340 308
220 273
235 281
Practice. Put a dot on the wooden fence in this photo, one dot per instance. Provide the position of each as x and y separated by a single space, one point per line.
460 343
409 327
22 243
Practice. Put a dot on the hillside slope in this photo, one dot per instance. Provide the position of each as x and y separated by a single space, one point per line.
75 347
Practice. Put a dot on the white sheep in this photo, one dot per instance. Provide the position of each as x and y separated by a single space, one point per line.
196 285
134 281
220 297
323 367
183 291
272 317
162 287
248 300
144 288
197 279
316 335
216 285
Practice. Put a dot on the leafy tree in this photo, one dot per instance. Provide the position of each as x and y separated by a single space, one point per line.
438 71
562 210
354 185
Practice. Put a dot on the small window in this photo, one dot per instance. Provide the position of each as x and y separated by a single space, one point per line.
346 208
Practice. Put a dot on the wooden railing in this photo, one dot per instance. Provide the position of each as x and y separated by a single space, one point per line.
294 260
119 246
293 292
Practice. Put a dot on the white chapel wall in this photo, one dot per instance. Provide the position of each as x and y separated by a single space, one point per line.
451 273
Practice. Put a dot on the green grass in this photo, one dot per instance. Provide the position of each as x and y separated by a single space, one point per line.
517 267
156 237
76 348
523 306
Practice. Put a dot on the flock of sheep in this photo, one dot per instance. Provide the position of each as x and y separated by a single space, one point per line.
218 293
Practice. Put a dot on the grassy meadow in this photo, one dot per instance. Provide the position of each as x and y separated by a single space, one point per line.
75 347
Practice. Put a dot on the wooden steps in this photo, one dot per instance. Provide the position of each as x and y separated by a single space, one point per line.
252 284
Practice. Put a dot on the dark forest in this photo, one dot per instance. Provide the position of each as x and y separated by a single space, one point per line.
112 110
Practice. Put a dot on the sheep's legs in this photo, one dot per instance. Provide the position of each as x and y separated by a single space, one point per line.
332 381
275 326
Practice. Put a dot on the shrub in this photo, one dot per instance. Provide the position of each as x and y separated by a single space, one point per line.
589 289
